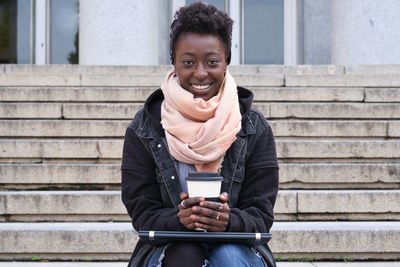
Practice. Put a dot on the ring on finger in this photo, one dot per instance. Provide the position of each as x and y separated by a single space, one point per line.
220 206
219 213
183 206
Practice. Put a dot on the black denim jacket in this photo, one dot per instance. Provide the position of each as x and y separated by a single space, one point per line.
150 182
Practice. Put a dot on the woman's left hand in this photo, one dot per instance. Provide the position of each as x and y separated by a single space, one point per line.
212 216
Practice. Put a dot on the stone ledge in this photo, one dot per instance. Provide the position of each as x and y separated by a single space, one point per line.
347 80
289 202
51 174
324 94
339 173
394 128
311 175
286 149
116 128
344 149
336 110
140 94
330 128
30 110
63 128
111 149
140 79
382 94
101 111
162 69
78 94
322 240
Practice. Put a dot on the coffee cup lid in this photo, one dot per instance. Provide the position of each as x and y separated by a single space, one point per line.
203 176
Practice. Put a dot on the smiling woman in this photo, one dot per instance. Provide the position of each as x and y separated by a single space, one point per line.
200 121
200 64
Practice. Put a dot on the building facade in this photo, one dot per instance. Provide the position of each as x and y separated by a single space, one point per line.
136 32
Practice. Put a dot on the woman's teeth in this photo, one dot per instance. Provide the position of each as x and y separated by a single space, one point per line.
201 87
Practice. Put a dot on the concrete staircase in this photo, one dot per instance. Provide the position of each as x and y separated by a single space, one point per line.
337 133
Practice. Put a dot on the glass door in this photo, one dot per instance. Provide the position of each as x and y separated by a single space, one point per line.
15 32
258 29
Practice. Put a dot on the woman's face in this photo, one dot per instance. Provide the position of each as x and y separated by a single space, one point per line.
200 63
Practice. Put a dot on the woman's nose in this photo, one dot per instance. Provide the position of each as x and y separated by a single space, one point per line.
200 72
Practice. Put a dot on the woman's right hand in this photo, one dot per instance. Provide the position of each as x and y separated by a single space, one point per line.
185 210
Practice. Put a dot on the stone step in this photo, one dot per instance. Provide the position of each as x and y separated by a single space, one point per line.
132 94
162 69
249 79
31 110
115 241
24 206
75 94
291 175
124 79
337 149
286 149
347 80
50 175
261 93
335 110
117 128
270 110
63 128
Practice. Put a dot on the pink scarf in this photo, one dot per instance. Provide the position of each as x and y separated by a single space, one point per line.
199 132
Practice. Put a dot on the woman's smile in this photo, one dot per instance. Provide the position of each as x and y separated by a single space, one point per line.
201 87
200 64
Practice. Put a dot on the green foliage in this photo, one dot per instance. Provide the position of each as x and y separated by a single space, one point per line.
346 259
36 258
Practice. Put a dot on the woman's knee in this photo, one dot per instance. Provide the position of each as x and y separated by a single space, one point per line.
234 255
184 254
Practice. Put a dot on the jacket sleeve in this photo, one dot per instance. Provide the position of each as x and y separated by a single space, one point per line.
140 190
254 209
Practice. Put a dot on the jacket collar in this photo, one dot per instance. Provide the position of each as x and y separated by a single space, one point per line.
152 127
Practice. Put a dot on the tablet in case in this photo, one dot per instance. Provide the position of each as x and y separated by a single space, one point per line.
159 238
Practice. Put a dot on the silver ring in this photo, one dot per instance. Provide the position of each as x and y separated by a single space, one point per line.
183 206
220 206
219 213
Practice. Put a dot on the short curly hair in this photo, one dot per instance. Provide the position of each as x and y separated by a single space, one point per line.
203 19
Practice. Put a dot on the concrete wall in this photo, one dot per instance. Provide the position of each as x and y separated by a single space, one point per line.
365 32
119 32
315 32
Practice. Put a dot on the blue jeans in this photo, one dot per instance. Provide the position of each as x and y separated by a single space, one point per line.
229 255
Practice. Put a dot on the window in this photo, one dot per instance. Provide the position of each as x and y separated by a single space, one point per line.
39 31
258 31
15 23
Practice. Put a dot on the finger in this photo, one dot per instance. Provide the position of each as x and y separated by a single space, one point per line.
184 195
223 197
223 207
210 214
210 228
210 224
188 202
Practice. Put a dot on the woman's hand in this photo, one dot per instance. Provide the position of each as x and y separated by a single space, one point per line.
212 216
186 210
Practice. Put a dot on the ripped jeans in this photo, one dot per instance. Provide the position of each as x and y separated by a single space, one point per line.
220 255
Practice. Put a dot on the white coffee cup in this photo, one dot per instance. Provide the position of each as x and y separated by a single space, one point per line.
204 184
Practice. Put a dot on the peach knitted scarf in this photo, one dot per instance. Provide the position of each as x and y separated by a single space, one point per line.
199 132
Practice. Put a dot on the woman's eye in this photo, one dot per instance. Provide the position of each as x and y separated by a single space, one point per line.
213 62
187 62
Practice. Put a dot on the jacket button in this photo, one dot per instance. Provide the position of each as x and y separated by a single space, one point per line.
159 145
172 177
